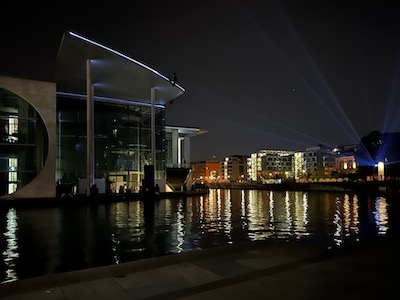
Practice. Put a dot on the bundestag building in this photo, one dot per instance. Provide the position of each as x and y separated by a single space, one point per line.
99 124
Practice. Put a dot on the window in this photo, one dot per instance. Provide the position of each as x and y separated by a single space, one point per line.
12 125
12 175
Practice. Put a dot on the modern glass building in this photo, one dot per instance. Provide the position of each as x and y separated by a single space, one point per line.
121 140
94 128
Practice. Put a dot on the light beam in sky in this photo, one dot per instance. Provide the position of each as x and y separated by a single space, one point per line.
328 99
255 114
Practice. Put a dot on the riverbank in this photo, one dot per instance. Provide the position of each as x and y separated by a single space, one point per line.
254 270
391 188
97 199
370 187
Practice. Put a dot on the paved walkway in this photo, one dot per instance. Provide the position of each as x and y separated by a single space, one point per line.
257 270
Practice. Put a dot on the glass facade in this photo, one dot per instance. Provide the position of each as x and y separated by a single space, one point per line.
23 142
122 142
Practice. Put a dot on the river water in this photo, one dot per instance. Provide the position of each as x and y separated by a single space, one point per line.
44 241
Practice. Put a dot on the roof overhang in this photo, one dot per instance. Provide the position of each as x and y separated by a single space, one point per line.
113 74
186 131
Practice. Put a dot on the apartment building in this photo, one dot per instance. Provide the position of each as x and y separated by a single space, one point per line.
270 164
234 168
206 171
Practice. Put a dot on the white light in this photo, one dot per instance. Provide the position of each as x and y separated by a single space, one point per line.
381 170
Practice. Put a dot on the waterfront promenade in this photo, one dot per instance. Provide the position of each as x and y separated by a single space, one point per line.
254 270
95 199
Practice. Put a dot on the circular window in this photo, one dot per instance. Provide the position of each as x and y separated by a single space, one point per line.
23 142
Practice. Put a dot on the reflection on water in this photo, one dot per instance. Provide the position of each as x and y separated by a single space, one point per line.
338 237
54 240
11 253
381 215
127 228
276 214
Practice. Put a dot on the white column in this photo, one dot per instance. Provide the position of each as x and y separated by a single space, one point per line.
186 149
180 150
89 129
175 153
153 130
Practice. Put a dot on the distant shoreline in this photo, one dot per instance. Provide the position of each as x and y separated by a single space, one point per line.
371 187
391 188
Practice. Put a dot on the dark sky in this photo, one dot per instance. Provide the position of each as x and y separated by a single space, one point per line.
258 74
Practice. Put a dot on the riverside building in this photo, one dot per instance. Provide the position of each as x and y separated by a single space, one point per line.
234 168
270 165
92 130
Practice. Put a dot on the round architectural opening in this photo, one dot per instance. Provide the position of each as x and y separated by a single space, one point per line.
23 142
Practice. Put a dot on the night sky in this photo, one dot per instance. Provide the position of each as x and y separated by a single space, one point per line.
258 74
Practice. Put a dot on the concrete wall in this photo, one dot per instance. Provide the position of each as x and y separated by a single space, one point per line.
42 96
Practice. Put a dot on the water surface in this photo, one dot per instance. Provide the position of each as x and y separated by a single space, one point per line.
42 241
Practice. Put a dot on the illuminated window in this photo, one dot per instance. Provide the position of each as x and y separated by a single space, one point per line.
12 125
12 174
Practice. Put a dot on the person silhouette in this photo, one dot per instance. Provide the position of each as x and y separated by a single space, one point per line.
174 79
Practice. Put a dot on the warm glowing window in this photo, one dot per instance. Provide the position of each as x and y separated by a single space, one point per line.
12 163
12 125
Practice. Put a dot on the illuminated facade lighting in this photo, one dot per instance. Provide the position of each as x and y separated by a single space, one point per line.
381 170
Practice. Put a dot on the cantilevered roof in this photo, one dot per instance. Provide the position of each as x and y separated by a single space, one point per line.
186 131
113 74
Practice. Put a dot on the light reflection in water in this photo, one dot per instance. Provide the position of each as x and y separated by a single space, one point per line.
180 227
337 221
216 215
125 232
243 220
355 219
10 254
128 228
218 212
284 215
346 215
350 216
210 216
288 218
257 216
303 213
201 202
300 220
271 211
227 216
381 215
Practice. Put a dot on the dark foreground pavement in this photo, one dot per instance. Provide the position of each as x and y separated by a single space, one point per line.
257 270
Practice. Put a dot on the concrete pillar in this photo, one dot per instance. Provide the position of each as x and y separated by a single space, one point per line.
89 129
186 149
153 130
175 146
